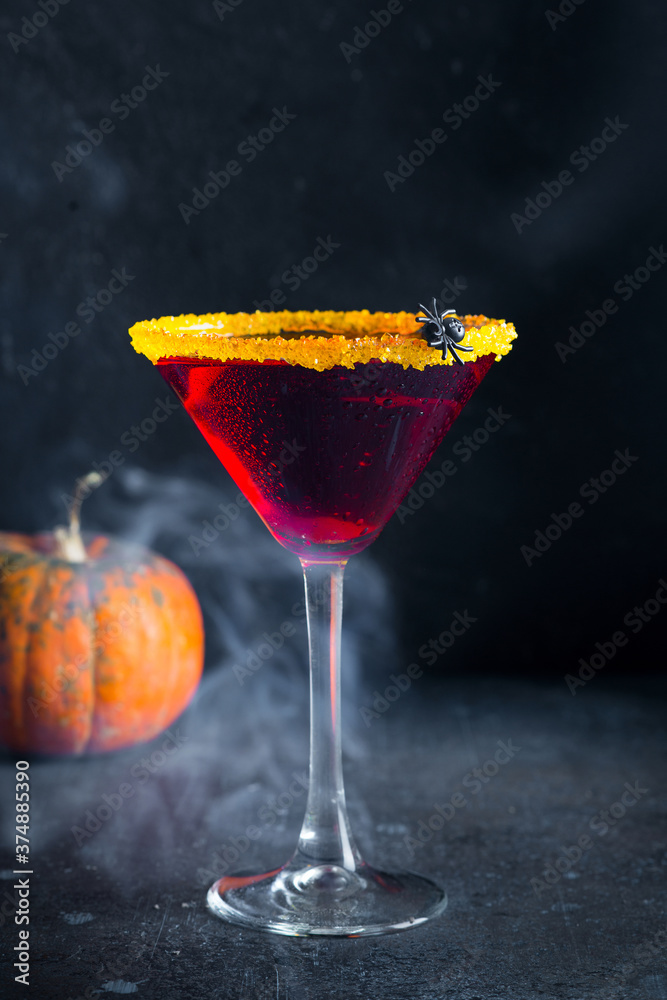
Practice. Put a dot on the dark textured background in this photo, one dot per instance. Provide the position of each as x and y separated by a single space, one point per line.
324 176
127 906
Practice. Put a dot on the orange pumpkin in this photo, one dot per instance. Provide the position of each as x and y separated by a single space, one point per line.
101 642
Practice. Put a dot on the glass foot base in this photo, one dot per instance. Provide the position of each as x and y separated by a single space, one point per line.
325 899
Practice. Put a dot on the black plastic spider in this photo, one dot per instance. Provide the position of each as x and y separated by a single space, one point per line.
443 330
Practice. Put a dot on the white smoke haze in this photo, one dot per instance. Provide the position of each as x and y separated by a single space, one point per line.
239 746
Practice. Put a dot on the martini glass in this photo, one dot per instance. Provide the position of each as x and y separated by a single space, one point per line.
324 420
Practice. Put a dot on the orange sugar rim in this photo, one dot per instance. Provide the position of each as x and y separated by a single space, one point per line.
353 337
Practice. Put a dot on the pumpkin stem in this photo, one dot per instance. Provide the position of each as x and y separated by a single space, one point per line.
69 544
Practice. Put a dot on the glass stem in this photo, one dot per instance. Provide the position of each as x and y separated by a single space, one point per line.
325 835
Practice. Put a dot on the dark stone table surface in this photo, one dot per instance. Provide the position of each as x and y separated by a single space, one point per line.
121 911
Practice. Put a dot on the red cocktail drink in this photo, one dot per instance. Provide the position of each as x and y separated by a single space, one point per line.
324 457
324 420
